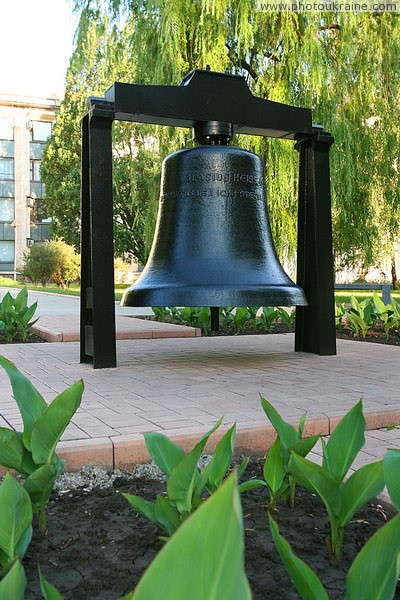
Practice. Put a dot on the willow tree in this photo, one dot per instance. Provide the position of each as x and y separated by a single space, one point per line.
344 66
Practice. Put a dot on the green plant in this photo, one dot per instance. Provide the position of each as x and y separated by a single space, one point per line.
13 584
49 592
342 499
204 559
305 580
268 317
375 571
340 312
360 316
161 313
16 315
387 314
241 318
288 317
40 263
68 263
15 522
277 476
226 315
186 483
32 453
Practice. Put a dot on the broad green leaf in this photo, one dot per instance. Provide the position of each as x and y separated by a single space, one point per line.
251 484
204 559
49 592
286 432
40 483
391 467
318 480
305 580
274 468
303 446
21 300
15 515
346 441
182 482
167 516
376 569
222 458
362 486
52 423
380 307
163 451
24 542
242 468
302 423
144 507
12 586
30 403
29 314
11 449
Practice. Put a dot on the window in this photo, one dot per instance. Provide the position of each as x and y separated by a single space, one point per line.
41 131
6 209
6 129
35 170
6 168
6 252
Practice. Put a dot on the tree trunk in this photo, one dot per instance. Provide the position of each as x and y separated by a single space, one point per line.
394 274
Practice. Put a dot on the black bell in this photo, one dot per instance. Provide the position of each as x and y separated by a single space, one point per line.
212 244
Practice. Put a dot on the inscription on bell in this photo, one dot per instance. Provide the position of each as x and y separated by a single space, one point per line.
224 178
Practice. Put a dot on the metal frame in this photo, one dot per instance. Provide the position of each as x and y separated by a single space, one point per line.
203 96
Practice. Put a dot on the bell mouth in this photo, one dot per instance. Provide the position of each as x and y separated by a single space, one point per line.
255 295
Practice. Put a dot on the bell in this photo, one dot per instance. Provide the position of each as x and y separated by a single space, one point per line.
212 244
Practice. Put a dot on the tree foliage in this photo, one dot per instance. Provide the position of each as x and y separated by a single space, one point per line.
346 67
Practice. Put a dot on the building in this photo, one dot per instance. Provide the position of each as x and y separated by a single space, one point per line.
25 125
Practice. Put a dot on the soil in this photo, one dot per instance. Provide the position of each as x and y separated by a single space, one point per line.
374 335
32 339
97 547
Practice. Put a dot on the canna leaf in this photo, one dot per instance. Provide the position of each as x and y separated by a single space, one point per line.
181 484
11 449
345 442
204 559
167 516
318 480
30 403
163 451
144 507
222 458
242 468
391 468
251 484
40 483
305 580
362 486
52 423
274 468
303 446
13 585
15 517
286 432
302 423
376 569
21 300
49 592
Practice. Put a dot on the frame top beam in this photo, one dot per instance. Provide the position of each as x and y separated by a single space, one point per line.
205 96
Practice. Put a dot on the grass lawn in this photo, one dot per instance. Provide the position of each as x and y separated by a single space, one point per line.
74 290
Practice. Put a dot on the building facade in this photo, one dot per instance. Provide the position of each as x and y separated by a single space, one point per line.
25 126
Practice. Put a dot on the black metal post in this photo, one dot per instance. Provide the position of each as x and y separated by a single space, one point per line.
315 323
86 353
214 311
98 336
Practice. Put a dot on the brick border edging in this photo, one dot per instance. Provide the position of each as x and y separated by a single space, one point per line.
126 451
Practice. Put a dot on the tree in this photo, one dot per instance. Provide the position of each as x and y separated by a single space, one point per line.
346 67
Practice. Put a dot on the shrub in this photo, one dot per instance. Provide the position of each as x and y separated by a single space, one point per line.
68 263
40 263
16 315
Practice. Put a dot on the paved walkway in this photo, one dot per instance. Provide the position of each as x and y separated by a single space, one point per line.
182 386
65 328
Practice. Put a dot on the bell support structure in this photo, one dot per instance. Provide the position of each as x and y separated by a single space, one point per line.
209 98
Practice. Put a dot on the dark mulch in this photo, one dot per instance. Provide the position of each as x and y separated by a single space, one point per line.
374 335
98 547
32 339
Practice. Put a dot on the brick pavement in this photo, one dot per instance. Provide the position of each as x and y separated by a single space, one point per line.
182 386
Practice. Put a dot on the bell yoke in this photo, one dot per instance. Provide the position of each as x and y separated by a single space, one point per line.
212 244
